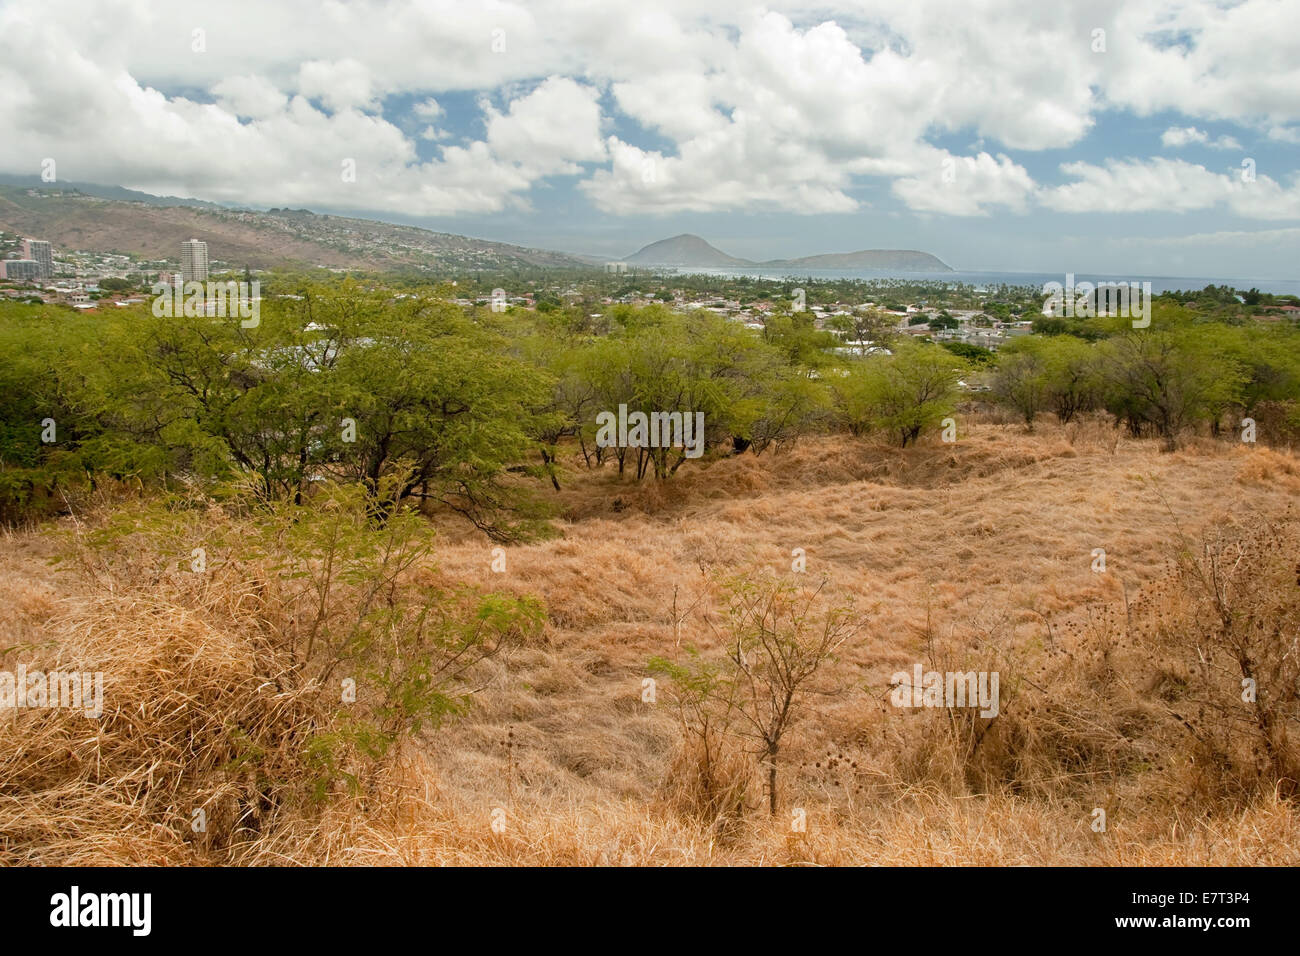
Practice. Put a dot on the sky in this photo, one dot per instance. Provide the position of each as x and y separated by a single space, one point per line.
1138 138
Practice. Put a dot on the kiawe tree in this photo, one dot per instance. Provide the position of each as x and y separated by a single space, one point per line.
438 403
901 394
1168 379
346 383
1020 379
661 363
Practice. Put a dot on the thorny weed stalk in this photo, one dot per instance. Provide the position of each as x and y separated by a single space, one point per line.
1242 648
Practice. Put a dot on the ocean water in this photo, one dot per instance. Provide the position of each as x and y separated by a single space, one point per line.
1035 279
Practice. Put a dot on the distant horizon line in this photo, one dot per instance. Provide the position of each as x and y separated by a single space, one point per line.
940 276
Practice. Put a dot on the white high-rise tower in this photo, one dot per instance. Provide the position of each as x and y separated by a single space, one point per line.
194 261
40 251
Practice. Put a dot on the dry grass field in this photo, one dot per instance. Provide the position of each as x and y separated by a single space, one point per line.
1118 689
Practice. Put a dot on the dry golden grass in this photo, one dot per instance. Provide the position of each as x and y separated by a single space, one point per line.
977 552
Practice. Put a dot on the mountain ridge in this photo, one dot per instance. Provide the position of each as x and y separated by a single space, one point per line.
689 250
686 249
107 219
276 238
